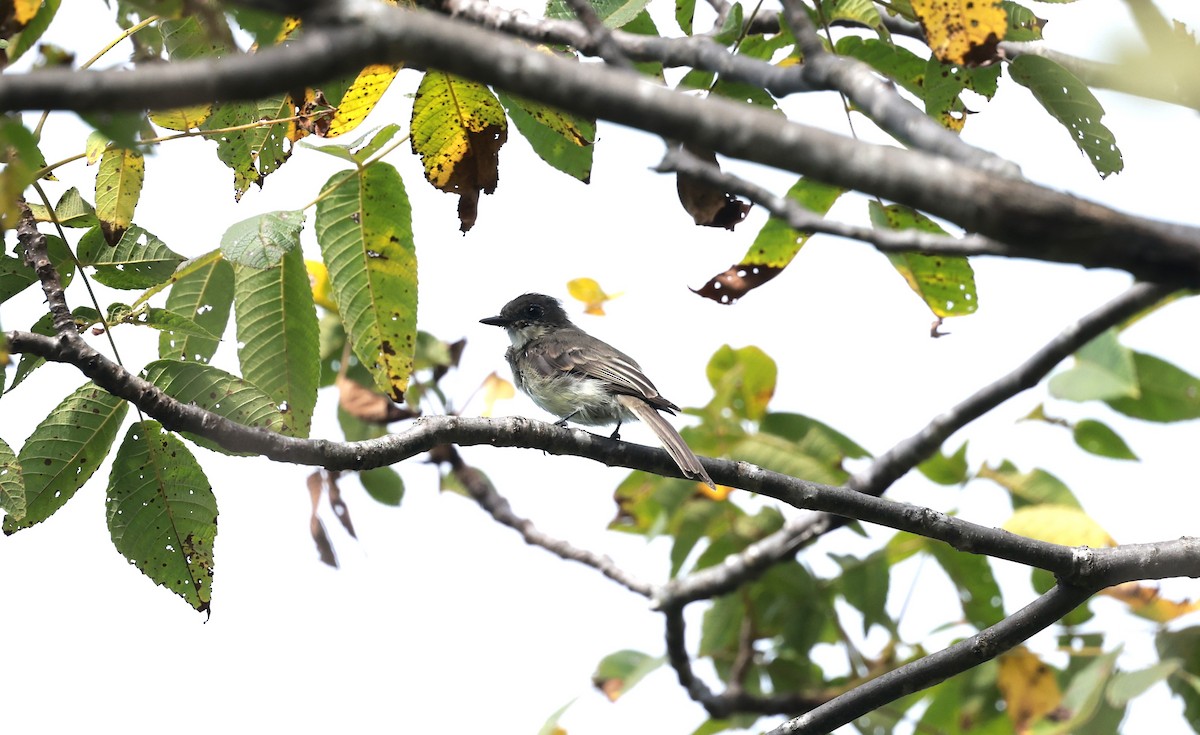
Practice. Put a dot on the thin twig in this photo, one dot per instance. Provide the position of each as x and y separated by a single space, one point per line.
484 493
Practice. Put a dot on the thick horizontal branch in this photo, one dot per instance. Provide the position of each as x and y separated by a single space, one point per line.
1034 221
1079 566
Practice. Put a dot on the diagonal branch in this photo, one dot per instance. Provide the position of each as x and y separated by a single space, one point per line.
739 568
484 493
937 667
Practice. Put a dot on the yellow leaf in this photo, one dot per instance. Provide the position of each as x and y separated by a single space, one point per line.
589 292
962 31
495 389
181 118
360 98
720 492
290 25
1058 524
1145 601
118 186
25 10
318 278
1029 688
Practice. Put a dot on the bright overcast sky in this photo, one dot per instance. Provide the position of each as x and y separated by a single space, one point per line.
440 619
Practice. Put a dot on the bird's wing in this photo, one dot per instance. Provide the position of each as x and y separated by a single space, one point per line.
587 355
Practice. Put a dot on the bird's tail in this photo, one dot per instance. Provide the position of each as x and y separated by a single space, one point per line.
671 440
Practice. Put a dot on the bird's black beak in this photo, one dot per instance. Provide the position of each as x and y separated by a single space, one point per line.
495 321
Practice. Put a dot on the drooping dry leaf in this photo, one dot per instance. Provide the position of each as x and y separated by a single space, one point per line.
709 207
734 283
366 404
1145 601
316 484
340 509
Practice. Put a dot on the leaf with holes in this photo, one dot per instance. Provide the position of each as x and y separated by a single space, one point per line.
945 283
12 484
773 248
1072 104
138 260
561 139
259 151
203 291
364 228
277 336
65 450
458 127
118 187
217 391
162 514
962 31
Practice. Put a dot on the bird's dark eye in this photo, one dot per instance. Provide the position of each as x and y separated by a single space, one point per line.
534 310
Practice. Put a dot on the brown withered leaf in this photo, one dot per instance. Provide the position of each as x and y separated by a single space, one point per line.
455 350
367 404
709 207
315 114
340 509
478 171
316 484
733 284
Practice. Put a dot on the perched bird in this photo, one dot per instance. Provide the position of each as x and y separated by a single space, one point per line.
575 376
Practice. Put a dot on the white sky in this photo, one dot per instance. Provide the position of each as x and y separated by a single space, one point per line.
441 619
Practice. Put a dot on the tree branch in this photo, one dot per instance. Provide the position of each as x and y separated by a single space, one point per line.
483 492
937 667
1034 221
901 458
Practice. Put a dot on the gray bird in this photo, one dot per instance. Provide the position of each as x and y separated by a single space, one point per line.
575 376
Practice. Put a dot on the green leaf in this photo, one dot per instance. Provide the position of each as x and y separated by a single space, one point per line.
1072 104
118 187
685 10
277 334
216 391
947 469
731 28
559 138
1128 685
946 283
550 726
858 12
184 39
263 240
743 380
1166 393
618 672
1104 369
614 13
798 446
203 292
1185 646
28 37
162 514
84 316
1023 25
255 153
1084 697
15 276
864 584
977 588
1029 488
896 62
357 151
139 260
65 450
12 485
364 228
72 210
384 484
1098 438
